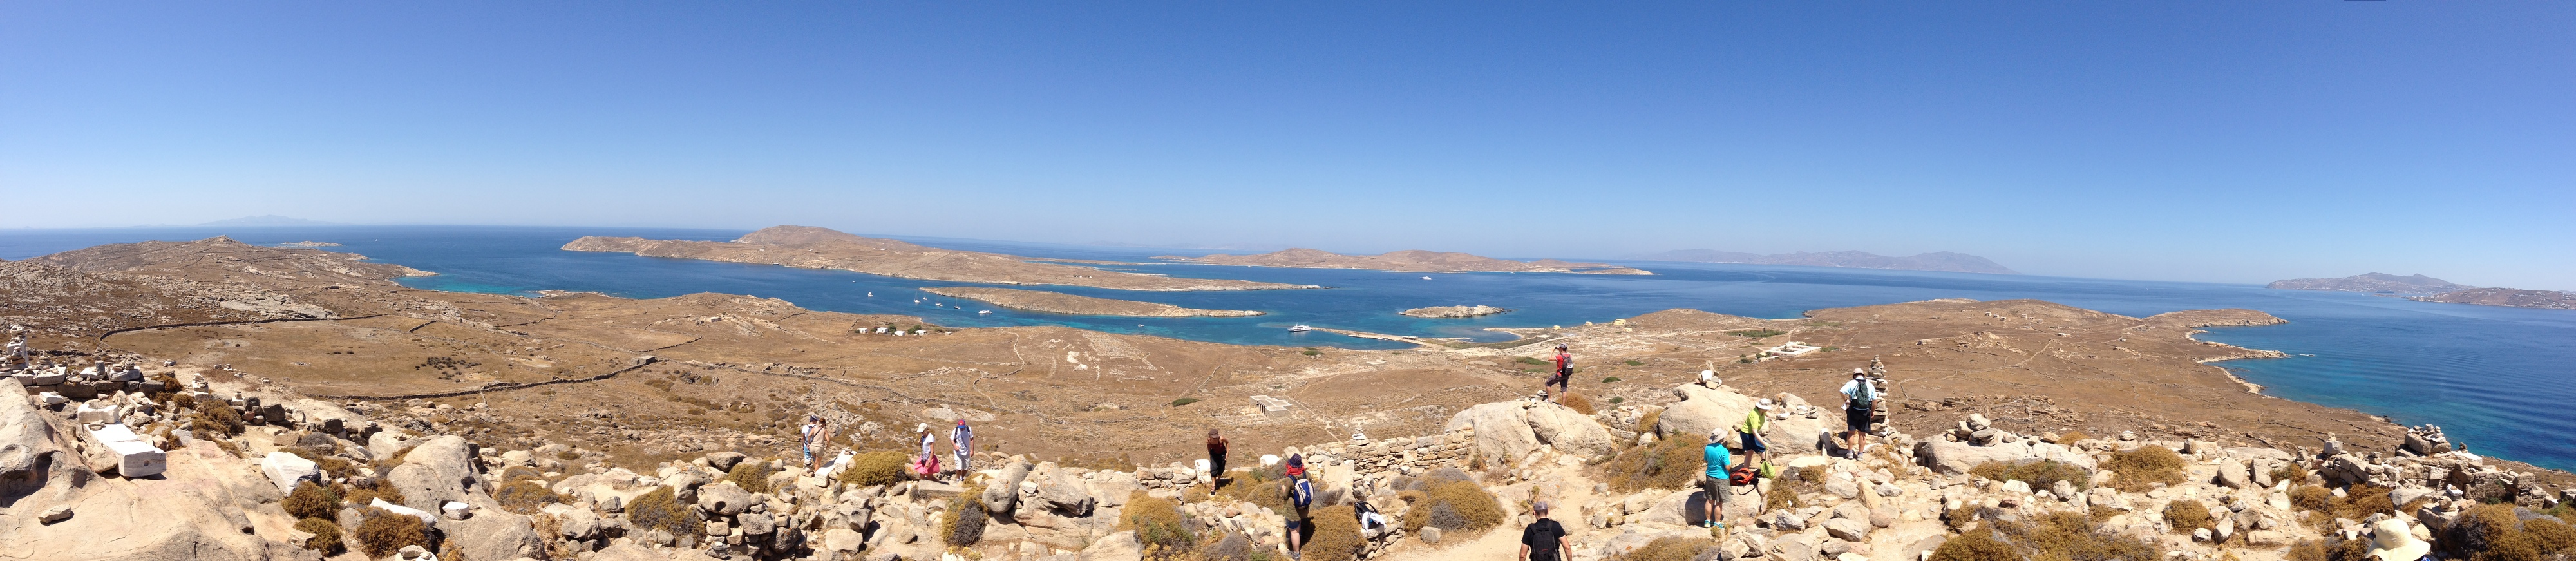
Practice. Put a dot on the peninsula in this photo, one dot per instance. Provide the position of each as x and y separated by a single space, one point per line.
823 248
1060 303
1411 260
2372 282
1454 311
1935 261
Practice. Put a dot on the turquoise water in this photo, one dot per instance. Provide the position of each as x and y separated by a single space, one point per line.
2495 378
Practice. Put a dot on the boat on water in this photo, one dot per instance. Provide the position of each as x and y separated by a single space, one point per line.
1299 327
1426 278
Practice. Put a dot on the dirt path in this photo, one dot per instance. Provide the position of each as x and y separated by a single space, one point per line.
1571 492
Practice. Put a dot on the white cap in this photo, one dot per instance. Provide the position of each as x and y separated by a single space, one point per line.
924 427
1764 404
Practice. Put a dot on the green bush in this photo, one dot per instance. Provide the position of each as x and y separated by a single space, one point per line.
1159 525
312 500
1337 535
882 467
326 535
1184 401
525 496
2041 475
382 533
2186 515
751 475
660 509
2140 469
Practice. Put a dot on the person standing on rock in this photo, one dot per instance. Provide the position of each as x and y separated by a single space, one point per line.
1301 494
1216 460
1564 374
1544 539
1713 479
962 439
816 436
1859 396
1756 423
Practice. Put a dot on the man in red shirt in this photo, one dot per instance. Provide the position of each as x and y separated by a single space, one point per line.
1564 374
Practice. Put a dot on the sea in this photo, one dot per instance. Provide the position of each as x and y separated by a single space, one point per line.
2500 380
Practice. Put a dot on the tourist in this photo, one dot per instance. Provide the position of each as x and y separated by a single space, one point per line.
1544 539
1712 479
817 435
1859 396
928 465
1216 460
962 439
1564 374
1301 494
1756 423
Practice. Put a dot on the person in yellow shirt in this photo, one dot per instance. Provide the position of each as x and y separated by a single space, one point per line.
1756 422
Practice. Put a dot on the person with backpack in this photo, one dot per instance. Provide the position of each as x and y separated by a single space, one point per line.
1544 539
816 436
1564 374
1714 479
1859 396
962 440
1301 494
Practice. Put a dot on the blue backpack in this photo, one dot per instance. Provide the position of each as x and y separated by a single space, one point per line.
1302 494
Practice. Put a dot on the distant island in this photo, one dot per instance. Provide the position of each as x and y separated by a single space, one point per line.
2510 297
1411 260
266 221
1060 303
1935 261
308 243
1454 311
824 248
2372 282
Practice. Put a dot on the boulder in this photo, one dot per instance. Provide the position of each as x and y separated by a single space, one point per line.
1848 529
1953 458
286 470
2233 474
1502 430
1063 496
1121 546
725 498
1003 492
494 534
1568 431
31 455
1703 410
723 461
437 471
843 544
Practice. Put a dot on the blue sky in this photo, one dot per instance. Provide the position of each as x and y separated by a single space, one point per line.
2212 141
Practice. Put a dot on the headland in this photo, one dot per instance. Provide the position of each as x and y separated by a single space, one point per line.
821 248
1411 260
1061 303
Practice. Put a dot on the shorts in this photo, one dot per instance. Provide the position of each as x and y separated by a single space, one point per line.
1857 419
1216 467
1559 381
1716 487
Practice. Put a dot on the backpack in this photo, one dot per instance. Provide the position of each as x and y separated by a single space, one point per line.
1864 395
1742 476
1302 494
1564 364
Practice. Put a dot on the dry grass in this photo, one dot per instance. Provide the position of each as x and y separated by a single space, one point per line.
1452 506
382 533
383 489
2055 536
660 509
1668 549
1159 526
752 475
2041 475
525 496
882 467
312 500
2071 437
1976 546
326 535
1671 463
1576 402
2494 533
2185 515
2358 502
1336 537
2292 472
964 523
2140 469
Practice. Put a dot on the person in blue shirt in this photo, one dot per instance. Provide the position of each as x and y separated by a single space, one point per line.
1713 480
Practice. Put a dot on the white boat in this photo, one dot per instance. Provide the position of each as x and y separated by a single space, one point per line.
984 313
1426 278
1299 327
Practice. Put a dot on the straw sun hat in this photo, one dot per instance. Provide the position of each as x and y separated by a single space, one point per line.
2390 540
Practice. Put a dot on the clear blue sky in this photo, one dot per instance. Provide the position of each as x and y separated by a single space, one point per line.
2217 141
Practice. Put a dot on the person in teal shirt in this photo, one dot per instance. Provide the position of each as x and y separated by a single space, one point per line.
1713 481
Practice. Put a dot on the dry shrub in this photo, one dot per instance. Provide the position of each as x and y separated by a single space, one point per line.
311 500
1231 547
2292 472
1266 493
1647 422
363 496
660 509
2069 535
2041 475
2185 515
387 466
326 535
215 415
2071 437
382 533
1668 549
1958 518
1336 537
525 496
2312 498
1976 546
1669 463
2361 501
964 524
2306 550
2345 550
752 475
1158 524
1453 506
515 473
882 467
1782 497
2494 533
1576 402
2140 469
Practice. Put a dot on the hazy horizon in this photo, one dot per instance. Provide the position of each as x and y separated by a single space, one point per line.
2196 141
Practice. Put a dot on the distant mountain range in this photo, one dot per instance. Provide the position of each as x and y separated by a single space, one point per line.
268 220
2511 297
1412 260
2373 282
1935 261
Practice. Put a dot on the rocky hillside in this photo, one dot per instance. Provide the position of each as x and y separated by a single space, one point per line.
1411 260
1454 311
1061 303
1935 261
821 248
2518 298
215 468
2372 282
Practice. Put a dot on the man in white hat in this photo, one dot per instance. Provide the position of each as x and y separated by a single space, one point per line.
2391 540
1859 396
1757 423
